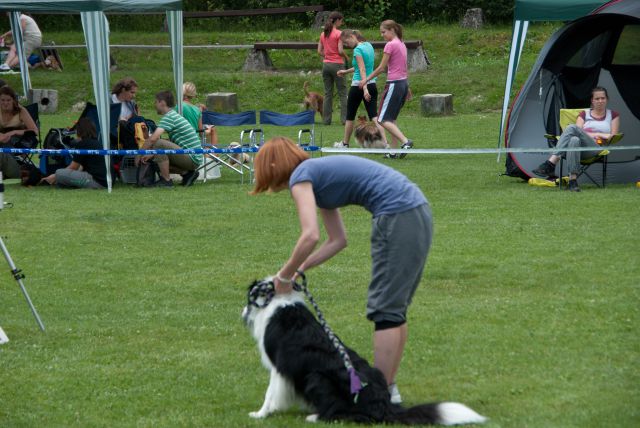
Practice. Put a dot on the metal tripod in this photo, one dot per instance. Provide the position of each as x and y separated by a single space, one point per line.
19 276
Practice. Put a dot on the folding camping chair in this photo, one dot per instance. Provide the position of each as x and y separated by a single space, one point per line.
568 117
249 137
297 119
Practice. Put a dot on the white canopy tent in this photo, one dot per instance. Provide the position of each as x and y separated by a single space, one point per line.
96 34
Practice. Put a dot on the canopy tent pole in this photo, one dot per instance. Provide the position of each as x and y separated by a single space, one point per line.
174 20
94 25
517 43
16 30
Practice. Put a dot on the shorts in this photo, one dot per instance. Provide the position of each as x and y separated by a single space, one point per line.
30 44
356 96
399 247
182 163
393 97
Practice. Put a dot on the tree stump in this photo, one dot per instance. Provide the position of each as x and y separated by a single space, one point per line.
417 59
47 99
258 60
225 102
472 19
321 18
436 104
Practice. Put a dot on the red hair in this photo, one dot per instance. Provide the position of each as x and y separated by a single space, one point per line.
275 162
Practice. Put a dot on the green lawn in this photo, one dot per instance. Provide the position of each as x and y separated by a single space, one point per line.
528 311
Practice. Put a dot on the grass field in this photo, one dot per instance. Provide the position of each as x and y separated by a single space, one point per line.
528 311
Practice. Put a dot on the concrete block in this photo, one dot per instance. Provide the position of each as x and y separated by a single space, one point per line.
225 102
47 99
417 59
473 18
258 60
436 104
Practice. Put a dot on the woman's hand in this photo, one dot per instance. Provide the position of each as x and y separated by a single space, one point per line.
367 95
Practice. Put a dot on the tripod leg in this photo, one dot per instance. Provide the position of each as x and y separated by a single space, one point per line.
18 276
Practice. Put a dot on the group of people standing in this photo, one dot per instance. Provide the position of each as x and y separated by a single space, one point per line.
363 84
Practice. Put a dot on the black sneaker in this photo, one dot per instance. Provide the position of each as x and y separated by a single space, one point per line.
189 178
545 169
163 183
405 146
573 186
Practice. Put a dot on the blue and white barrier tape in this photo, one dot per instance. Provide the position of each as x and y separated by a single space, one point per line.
308 148
139 152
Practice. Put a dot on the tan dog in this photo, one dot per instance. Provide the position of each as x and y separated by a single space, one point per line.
368 135
312 100
52 63
236 157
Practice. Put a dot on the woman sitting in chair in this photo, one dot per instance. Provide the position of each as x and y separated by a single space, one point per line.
15 120
594 127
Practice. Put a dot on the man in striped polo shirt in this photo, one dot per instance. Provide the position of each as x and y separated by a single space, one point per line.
182 136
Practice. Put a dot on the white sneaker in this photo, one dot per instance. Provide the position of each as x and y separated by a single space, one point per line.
396 398
5 67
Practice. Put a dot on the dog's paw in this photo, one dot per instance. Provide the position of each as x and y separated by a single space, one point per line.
312 418
258 415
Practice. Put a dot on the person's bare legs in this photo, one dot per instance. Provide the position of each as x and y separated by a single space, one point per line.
396 133
382 131
348 130
12 57
388 346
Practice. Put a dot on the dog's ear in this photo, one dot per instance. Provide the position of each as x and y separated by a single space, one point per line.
362 119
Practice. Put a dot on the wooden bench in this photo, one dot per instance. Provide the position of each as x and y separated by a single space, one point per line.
259 60
253 12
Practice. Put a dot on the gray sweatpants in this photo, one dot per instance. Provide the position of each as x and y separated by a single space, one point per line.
399 247
66 177
574 136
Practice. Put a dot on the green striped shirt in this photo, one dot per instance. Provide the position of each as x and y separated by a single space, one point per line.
181 133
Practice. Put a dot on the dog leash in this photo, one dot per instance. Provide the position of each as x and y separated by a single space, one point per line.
355 382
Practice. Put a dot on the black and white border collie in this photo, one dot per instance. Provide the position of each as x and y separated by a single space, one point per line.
307 370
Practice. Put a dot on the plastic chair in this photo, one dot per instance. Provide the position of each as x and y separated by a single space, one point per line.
297 119
569 117
249 137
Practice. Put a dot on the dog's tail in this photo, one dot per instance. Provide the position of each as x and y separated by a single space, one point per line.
306 88
446 413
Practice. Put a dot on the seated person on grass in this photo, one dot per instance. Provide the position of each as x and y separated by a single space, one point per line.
594 126
84 171
182 136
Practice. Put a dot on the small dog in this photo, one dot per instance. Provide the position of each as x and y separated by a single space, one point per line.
307 370
52 63
312 100
238 157
368 134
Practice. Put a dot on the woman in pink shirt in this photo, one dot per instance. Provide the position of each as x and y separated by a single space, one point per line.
330 48
396 90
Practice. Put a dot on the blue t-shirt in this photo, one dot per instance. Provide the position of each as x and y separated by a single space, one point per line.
365 51
343 180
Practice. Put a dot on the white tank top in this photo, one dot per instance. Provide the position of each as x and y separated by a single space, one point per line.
594 125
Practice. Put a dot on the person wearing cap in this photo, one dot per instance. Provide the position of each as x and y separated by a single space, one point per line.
191 112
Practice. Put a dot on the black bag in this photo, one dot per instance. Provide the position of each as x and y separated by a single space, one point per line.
146 174
28 140
127 132
56 139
